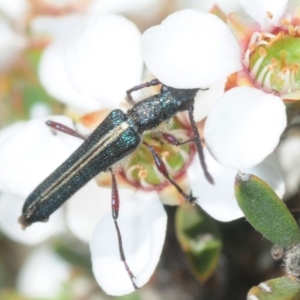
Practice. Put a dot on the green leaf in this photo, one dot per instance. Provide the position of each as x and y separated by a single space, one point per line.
266 212
282 288
73 255
199 239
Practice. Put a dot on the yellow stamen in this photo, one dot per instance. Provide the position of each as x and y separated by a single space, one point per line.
269 15
283 54
262 36
252 47
295 68
143 173
274 62
262 51
164 154
285 22
291 30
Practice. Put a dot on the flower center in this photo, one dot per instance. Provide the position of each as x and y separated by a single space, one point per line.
141 170
273 60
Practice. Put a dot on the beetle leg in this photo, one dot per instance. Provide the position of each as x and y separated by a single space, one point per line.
65 129
138 87
115 202
162 168
198 145
172 140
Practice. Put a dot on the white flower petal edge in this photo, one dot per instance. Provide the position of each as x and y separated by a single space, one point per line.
244 127
43 275
10 210
218 200
15 9
58 27
31 153
226 7
258 9
55 79
190 49
11 44
87 206
142 221
205 99
104 59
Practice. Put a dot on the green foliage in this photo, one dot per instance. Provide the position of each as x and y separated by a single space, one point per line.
199 239
265 211
282 288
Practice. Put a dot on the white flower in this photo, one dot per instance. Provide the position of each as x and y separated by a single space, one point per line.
103 60
29 152
182 53
195 49
140 210
105 70
247 132
215 54
219 200
43 274
142 222
14 9
11 44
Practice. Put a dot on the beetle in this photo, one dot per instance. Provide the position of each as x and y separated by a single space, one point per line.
114 139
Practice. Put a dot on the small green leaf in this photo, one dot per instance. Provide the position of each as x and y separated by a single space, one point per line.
199 239
282 288
265 211
72 255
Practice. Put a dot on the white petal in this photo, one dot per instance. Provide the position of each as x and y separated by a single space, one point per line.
227 6
10 210
121 6
15 9
205 99
142 221
190 49
258 9
244 126
87 206
104 59
31 152
39 110
218 200
55 79
7 132
10 44
57 27
43 275
289 158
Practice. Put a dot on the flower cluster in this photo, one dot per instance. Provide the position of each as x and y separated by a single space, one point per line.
249 64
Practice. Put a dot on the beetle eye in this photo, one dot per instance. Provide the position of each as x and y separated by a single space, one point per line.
164 88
